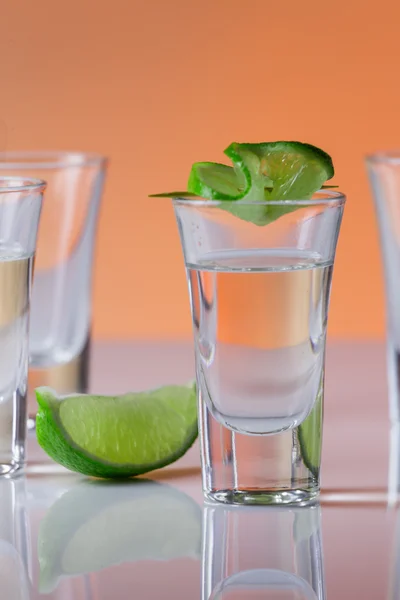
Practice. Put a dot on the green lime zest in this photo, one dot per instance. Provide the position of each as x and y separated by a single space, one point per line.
117 436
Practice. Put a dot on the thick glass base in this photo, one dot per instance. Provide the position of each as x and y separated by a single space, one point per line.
279 469
265 497
12 469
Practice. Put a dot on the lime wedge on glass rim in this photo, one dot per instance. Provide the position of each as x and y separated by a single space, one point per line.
117 436
268 171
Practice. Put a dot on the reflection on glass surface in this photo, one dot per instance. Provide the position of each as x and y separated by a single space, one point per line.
262 553
394 464
394 574
99 524
15 559
71 589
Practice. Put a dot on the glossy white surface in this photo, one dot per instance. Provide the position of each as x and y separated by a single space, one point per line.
88 540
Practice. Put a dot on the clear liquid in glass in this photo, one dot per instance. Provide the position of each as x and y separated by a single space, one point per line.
259 319
15 285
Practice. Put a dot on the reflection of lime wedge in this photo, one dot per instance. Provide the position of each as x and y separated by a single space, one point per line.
117 436
310 436
97 524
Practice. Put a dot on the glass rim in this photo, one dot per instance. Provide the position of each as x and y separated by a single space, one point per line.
48 159
384 156
322 197
12 183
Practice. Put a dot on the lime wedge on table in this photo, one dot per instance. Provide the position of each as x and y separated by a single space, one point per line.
95 525
117 436
261 172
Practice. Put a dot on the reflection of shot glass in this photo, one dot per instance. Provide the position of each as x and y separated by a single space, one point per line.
61 302
15 559
20 206
262 553
259 299
394 568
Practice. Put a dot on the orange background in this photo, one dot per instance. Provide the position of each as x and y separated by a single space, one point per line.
157 85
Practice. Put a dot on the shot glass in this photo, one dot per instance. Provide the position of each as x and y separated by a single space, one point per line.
384 176
61 302
259 299
20 206
262 553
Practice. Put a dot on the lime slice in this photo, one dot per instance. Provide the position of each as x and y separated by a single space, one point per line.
310 436
265 171
96 525
296 170
117 436
261 172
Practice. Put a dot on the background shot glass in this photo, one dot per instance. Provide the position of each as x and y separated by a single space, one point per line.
61 302
384 176
259 300
20 206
